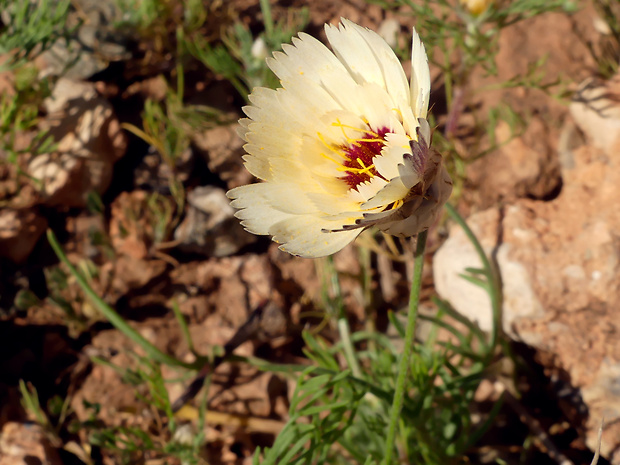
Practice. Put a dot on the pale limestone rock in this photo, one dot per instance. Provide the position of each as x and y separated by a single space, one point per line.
451 260
89 141
560 263
458 253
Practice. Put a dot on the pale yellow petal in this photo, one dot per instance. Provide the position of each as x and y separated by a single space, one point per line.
420 77
392 155
394 77
367 190
307 237
307 57
242 129
259 167
393 191
285 197
256 216
329 204
354 53
375 105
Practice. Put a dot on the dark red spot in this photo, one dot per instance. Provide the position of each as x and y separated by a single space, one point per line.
363 150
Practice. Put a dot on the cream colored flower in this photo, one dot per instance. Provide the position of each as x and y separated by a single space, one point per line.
343 145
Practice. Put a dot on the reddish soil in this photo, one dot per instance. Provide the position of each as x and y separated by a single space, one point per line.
143 279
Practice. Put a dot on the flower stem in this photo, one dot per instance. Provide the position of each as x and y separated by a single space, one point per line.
491 271
403 366
114 318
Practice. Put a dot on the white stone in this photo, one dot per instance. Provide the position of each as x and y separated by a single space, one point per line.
458 253
88 140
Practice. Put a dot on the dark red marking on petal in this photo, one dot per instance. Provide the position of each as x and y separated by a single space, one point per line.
363 150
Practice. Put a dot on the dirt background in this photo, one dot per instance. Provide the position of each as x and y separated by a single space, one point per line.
142 277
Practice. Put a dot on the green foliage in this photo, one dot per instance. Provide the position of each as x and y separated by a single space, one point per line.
336 417
240 57
19 116
128 442
32 28
340 416
156 19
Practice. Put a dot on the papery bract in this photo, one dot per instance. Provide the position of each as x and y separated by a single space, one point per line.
343 145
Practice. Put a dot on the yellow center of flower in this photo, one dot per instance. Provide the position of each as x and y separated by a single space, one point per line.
357 155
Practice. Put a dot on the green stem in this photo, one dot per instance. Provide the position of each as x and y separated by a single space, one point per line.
267 18
349 351
494 284
114 318
403 366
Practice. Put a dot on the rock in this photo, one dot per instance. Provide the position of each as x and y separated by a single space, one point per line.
20 229
89 140
524 167
155 174
26 443
210 226
389 30
560 262
155 88
132 224
596 111
458 253
95 41
223 151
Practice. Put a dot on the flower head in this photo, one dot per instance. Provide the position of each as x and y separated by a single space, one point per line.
343 145
476 7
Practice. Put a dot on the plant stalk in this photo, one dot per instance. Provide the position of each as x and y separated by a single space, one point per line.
114 318
403 366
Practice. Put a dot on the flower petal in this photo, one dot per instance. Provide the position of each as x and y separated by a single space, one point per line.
420 78
392 155
354 52
307 236
394 190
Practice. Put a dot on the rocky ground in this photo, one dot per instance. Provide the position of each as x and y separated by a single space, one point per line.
544 204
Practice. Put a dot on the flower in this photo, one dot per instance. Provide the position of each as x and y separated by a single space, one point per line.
476 7
342 146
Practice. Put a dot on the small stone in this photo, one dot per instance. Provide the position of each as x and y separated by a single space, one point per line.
210 226
19 232
26 443
223 151
89 141
390 31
